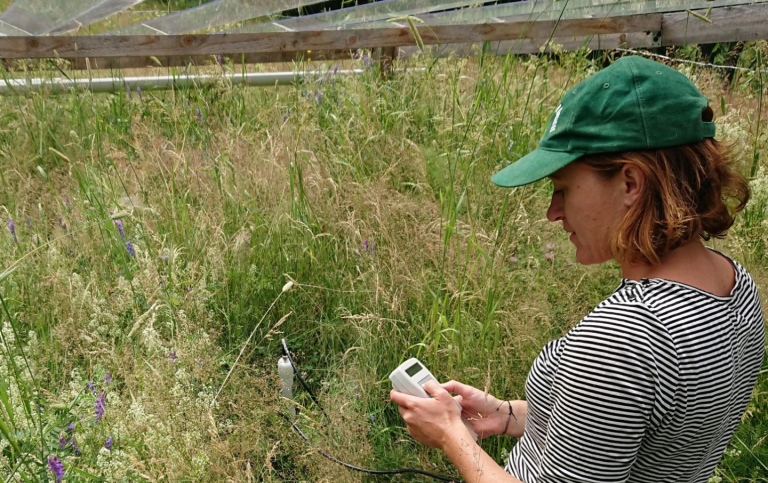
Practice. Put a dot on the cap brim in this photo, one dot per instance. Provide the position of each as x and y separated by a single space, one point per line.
534 166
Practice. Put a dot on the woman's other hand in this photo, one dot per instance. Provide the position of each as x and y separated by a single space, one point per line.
486 414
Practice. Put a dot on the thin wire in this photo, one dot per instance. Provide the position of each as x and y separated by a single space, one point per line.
684 61
366 470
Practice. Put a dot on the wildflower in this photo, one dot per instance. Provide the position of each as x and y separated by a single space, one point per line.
119 225
287 286
335 69
319 96
71 427
366 60
131 251
287 114
75 447
172 357
513 259
108 443
12 229
56 467
92 387
550 246
108 377
549 255
62 441
218 59
138 92
372 417
200 116
369 247
100 405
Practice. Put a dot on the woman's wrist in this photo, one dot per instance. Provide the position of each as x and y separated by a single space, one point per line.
510 417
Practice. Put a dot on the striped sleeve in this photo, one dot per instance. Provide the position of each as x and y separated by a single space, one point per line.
615 377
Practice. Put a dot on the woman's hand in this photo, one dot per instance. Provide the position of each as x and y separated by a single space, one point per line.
431 421
486 414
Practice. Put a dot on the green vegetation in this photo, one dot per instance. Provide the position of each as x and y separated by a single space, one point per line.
153 232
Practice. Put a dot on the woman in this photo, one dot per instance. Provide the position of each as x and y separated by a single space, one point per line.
651 385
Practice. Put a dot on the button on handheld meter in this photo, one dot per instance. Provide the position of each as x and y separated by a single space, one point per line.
410 376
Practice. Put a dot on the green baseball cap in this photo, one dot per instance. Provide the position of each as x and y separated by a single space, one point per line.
632 105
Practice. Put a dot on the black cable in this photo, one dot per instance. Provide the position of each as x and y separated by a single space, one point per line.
301 380
366 470
296 428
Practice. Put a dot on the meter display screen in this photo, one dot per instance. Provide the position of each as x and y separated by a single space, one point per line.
414 369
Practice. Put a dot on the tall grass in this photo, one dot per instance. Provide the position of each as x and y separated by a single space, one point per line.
152 231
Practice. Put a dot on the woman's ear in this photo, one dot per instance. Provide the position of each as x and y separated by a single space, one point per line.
633 183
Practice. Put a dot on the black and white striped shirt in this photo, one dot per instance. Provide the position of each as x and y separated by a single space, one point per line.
648 387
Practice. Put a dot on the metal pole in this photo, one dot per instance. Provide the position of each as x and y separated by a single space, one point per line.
117 84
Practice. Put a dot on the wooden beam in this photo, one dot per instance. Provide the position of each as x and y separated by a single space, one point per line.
73 47
725 24
533 46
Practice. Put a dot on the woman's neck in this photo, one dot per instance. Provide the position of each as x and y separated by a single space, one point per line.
692 264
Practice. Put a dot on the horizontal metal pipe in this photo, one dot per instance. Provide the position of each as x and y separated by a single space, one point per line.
121 84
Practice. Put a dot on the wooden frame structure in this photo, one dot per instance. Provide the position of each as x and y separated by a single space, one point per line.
722 24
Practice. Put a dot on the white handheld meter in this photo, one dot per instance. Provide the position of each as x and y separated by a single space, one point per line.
410 376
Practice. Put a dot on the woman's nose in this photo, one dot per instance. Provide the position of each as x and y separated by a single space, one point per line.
555 210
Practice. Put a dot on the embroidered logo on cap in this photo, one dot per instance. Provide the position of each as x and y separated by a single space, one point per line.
557 116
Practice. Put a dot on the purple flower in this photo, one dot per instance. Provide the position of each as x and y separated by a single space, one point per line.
119 225
287 114
62 441
92 387
108 443
549 255
319 96
100 405
366 59
131 251
369 247
71 427
56 467
138 91
335 69
200 116
75 447
108 377
218 59
173 356
12 229
550 246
